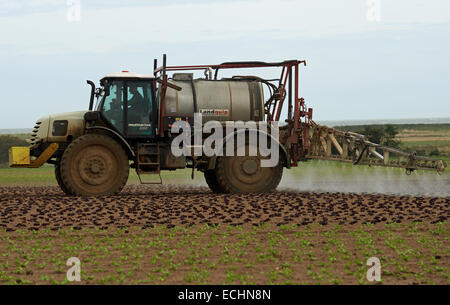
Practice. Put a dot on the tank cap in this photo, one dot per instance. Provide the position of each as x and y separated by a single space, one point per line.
183 76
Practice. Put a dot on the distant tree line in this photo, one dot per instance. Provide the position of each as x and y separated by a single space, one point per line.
6 141
384 135
380 134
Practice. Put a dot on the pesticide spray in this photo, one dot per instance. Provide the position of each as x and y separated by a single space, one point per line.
327 176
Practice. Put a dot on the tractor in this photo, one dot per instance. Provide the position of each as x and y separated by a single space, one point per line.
133 120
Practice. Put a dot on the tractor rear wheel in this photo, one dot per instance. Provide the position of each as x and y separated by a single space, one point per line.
94 164
211 180
59 179
244 174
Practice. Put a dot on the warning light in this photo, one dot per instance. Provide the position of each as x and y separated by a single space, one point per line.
125 71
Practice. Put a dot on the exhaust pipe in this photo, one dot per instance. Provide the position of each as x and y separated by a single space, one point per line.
91 101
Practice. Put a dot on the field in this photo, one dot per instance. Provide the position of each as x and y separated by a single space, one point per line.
185 234
320 227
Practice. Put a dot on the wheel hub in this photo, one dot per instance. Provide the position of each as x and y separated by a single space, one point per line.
95 167
249 166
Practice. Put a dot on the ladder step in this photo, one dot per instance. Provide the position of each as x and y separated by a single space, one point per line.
148 161
156 182
143 172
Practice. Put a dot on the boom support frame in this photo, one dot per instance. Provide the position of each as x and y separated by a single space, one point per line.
299 117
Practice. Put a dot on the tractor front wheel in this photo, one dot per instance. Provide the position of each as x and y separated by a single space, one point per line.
94 164
61 184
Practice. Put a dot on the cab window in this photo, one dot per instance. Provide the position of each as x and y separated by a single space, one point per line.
113 104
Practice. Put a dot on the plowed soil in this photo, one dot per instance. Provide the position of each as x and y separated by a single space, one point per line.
181 234
146 206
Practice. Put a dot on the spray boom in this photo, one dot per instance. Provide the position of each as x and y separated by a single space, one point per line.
330 144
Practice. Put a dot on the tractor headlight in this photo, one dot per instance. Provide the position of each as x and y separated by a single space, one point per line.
59 128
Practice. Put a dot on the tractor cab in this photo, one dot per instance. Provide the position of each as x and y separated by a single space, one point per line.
126 102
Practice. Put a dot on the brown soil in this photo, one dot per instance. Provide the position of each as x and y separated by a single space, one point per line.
146 206
283 237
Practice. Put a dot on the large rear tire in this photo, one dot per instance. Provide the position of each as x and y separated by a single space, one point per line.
211 180
244 174
94 164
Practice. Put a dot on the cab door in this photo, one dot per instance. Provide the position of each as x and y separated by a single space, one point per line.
113 105
139 111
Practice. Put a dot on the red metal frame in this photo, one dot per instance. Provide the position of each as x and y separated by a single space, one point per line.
297 127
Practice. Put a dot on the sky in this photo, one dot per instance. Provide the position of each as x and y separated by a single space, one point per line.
365 59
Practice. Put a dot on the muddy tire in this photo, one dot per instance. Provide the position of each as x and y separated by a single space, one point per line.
94 164
244 174
211 180
59 179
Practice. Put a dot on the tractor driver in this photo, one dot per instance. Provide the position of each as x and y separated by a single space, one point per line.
137 105
137 101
